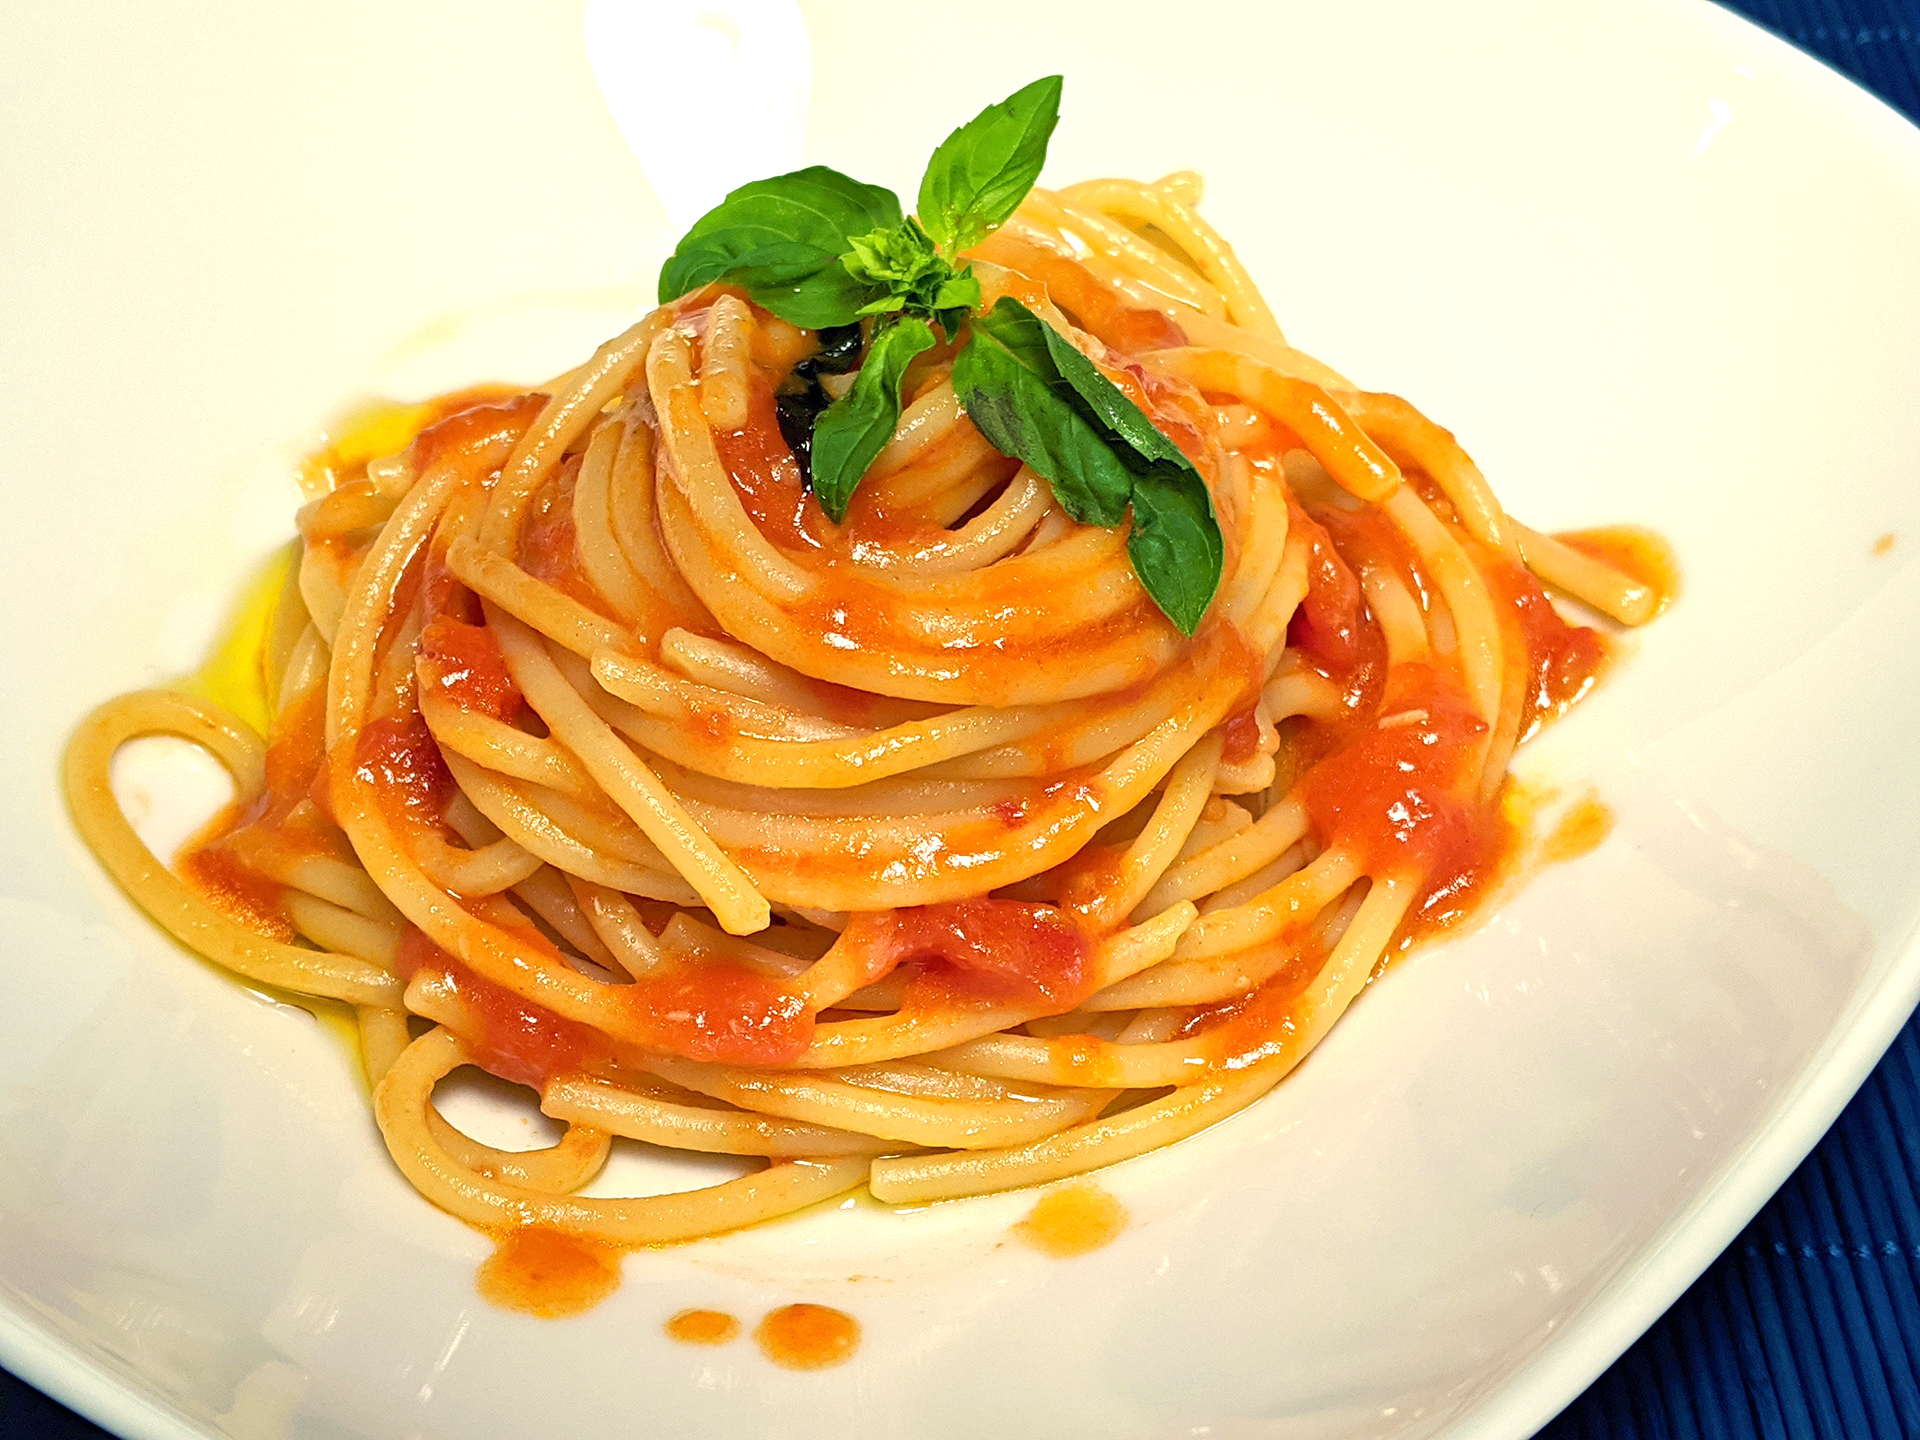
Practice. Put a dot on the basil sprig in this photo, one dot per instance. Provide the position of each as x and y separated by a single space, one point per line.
1040 400
822 250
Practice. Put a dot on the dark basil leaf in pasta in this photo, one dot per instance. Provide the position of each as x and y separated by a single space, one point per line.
1022 417
839 352
1175 544
796 415
782 238
983 170
857 426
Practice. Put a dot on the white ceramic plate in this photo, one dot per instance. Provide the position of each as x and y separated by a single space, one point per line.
1648 263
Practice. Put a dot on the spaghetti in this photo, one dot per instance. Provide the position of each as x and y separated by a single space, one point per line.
918 851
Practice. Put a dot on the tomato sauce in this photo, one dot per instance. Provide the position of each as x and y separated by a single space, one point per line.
1240 737
525 1043
1580 831
767 477
1326 626
1398 796
401 763
1090 303
717 1010
549 543
292 768
808 1337
974 953
1079 882
549 1273
463 662
1076 1220
247 899
297 751
441 592
470 426
702 1327
399 759
714 1010
1561 661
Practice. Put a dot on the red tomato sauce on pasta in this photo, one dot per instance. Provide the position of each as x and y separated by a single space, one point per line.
980 952
765 475
463 662
717 1011
400 761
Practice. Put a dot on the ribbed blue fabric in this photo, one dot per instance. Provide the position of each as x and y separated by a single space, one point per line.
1808 1327
1876 42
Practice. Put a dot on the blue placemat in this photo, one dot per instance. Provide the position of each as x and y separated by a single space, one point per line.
1808 1328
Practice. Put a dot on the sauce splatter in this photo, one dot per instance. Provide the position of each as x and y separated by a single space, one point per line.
808 1337
1074 1221
548 1273
702 1327
1578 832
1884 545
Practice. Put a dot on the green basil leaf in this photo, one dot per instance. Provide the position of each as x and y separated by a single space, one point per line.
827 298
1021 416
1107 400
1053 357
960 291
853 430
782 238
983 170
1022 332
1175 544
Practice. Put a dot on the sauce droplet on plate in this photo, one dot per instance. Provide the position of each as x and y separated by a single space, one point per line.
1578 832
808 1337
1074 1221
549 1273
702 1327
